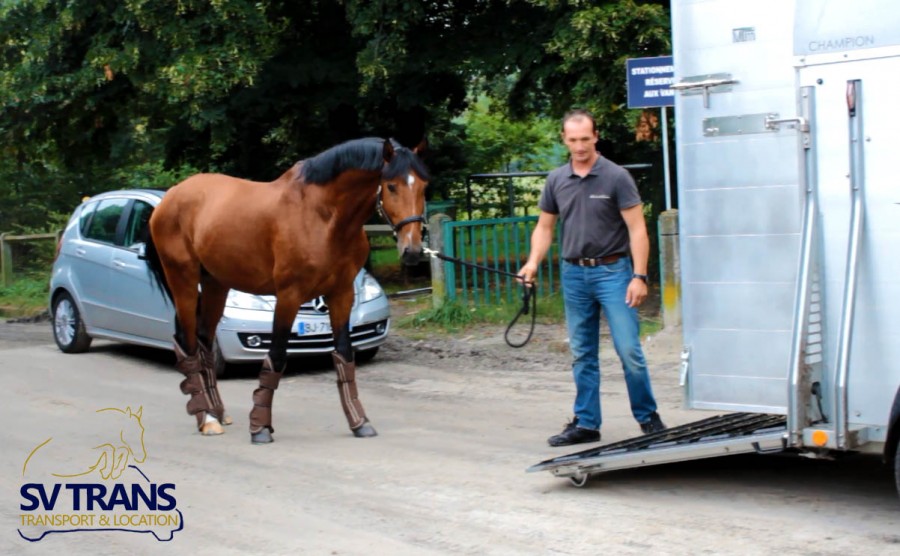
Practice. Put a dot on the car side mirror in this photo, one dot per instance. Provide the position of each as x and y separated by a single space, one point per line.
142 251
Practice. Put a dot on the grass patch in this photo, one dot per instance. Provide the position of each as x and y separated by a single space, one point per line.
455 317
450 317
387 256
25 296
650 325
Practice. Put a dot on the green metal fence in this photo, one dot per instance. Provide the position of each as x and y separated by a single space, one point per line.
498 243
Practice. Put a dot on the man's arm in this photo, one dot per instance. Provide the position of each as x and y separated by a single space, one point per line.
541 238
640 252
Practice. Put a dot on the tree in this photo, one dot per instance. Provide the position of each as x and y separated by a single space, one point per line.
96 94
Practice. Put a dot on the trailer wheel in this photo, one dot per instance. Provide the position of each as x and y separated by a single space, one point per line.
579 480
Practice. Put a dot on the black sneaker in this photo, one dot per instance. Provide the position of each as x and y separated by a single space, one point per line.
573 434
655 424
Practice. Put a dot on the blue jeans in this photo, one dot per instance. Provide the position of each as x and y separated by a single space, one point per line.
586 290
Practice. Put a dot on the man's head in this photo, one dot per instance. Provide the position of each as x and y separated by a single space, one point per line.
579 134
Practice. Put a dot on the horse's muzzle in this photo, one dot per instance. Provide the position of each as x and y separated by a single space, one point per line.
411 256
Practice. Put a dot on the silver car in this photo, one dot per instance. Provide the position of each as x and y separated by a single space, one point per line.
100 288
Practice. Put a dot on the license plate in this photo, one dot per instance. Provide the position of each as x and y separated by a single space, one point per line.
305 328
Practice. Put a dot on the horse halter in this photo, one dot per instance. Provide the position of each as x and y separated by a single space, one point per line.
379 204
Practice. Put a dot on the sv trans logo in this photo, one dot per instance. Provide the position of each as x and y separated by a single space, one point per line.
98 487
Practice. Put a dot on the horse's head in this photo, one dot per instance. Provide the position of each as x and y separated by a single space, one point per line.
401 198
132 434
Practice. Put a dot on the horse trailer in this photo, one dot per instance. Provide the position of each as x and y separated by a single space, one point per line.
789 233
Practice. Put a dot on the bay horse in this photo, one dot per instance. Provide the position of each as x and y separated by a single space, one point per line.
297 237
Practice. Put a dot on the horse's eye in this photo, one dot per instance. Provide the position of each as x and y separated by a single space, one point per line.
392 188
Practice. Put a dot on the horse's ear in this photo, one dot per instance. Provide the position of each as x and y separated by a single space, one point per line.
388 151
138 412
422 146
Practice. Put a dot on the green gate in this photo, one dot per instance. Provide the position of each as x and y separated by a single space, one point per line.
498 243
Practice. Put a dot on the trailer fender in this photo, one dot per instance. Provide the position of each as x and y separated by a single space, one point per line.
893 436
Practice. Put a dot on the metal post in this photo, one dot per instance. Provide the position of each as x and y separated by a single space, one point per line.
449 245
801 369
857 183
665 149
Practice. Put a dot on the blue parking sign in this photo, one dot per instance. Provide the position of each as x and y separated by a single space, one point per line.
649 80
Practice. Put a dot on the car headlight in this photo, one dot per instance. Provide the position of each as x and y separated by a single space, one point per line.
241 300
370 289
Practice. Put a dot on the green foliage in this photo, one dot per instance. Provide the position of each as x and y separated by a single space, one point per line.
454 316
151 175
450 316
25 296
497 143
101 94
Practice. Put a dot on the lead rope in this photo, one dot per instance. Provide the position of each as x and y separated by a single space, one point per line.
528 303
527 300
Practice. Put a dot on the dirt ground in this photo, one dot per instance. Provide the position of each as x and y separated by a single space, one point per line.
547 348
460 418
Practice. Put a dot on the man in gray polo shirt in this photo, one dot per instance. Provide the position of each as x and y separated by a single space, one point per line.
605 250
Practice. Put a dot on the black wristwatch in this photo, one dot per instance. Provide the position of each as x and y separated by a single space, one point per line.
640 277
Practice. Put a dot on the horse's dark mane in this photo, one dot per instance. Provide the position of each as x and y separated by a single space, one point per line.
360 154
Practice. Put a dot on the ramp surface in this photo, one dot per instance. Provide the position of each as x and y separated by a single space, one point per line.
736 433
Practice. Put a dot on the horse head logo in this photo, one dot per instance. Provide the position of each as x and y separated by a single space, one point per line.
121 436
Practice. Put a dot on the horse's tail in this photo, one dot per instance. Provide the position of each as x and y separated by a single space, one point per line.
154 266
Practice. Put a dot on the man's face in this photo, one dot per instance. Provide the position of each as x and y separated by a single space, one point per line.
580 138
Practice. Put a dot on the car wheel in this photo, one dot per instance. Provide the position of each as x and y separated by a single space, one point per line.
897 468
219 364
364 356
68 328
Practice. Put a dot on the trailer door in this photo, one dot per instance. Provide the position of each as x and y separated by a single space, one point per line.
739 200
869 86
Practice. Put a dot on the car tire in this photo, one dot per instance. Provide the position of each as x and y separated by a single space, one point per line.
68 327
364 356
219 364
897 468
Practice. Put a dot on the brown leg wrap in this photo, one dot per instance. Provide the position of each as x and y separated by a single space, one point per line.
209 375
346 383
261 414
204 395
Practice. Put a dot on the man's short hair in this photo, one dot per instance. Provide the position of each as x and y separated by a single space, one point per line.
578 113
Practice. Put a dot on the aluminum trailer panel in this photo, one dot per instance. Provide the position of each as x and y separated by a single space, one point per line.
789 210
789 223
739 202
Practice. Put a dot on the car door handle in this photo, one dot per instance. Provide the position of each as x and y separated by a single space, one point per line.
80 252
119 264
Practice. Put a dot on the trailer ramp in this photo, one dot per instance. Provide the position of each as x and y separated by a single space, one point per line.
736 433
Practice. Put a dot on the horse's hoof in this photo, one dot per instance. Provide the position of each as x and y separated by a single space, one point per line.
226 419
364 431
261 437
211 428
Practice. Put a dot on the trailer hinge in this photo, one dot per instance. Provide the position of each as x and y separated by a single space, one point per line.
704 84
773 121
685 369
